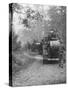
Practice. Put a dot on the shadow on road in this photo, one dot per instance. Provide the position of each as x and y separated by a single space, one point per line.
50 62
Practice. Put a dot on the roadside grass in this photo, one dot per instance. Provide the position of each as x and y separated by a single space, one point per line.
20 61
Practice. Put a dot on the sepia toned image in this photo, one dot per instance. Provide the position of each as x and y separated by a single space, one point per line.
37 44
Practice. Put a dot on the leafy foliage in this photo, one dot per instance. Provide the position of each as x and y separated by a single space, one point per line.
58 20
15 45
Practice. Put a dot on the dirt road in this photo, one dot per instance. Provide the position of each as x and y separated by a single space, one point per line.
39 74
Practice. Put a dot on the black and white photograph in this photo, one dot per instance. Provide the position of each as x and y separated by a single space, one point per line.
37 44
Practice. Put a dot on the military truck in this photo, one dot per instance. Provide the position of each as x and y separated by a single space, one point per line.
52 48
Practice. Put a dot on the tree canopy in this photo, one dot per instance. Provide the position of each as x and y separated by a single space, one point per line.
33 22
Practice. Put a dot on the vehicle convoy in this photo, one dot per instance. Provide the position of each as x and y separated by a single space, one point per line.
51 48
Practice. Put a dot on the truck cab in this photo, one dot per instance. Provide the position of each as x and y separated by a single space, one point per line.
51 47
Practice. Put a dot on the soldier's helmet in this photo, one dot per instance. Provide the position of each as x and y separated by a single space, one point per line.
52 31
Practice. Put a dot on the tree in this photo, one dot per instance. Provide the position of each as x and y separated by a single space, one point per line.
58 20
15 45
34 26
